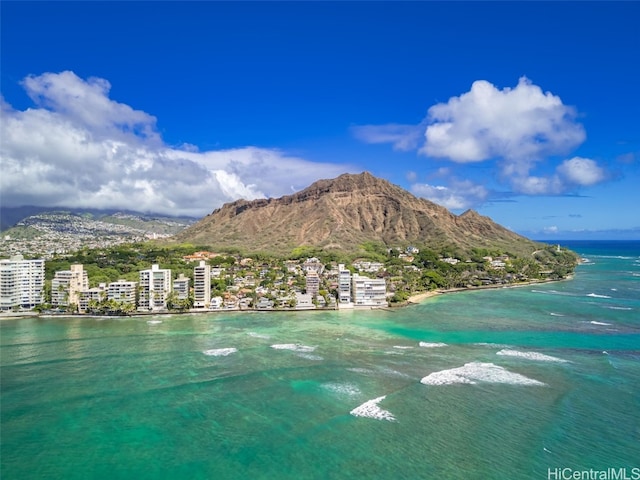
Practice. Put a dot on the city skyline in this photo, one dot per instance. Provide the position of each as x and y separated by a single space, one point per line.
516 110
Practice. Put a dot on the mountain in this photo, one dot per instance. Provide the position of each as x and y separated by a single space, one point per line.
342 214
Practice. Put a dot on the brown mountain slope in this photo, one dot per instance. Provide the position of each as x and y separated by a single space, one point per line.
343 213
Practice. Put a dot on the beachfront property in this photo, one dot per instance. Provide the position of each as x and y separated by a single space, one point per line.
67 285
155 286
122 291
312 283
181 287
344 287
21 283
90 296
368 292
202 285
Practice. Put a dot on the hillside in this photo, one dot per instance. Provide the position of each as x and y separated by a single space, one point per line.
342 214
65 231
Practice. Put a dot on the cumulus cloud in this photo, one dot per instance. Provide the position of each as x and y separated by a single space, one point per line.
519 128
79 148
460 195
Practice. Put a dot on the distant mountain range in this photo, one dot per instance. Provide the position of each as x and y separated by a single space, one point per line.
344 213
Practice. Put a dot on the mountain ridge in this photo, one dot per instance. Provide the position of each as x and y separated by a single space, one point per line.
344 212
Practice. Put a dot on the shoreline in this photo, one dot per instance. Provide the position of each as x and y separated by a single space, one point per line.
418 298
415 299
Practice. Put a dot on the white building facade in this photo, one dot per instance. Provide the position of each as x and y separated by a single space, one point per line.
21 283
122 291
202 285
344 286
369 292
155 286
67 285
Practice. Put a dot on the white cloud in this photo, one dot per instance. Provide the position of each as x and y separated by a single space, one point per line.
520 127
402 137
521 124
460 195
79 148
581 171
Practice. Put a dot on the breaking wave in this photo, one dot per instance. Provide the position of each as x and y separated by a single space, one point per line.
347 389
220 352
295 347
530 356
595 295
476 372
593 322
432 344
370 409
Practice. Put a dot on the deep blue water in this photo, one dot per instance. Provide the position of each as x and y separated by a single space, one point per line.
494 384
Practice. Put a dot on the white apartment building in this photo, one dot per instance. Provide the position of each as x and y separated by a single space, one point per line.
122 291
369 292
202 285
312 283
155 286
96 294
67 285
21 283
344 286
181 287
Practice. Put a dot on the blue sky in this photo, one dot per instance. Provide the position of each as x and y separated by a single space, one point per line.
526 112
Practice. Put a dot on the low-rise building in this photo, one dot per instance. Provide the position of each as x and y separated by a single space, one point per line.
369 292
122 291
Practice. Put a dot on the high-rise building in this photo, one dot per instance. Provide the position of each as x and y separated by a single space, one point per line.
155 286
122 291
344 286
67 285
202 285
21 283
181 287
312 283
368 292
86 297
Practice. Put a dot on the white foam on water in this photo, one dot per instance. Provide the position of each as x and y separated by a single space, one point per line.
309 356
432 344
476 372
530 356
620 308
343 389
296 347
364 371
553 314
402 347
220 352
154 322
492 345
370 409
595 295
599 323
258 335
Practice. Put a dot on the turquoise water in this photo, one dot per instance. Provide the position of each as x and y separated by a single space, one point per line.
516 381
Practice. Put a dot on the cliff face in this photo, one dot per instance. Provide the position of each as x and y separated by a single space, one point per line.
342 213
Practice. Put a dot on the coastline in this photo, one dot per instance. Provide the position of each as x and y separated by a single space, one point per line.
418 298
415 299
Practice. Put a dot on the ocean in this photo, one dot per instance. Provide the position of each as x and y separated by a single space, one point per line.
532 382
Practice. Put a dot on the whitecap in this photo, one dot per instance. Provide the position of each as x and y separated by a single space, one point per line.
365 371
343 389
620 308
296 347
220 352
476 372
154 322
402 347
553 314
432 344
595 295
370 409
308 356
530 356
259 335
593 322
